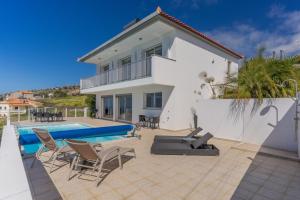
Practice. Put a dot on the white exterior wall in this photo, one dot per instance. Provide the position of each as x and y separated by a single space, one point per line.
4 109
192 58
12 109
261 127
166 114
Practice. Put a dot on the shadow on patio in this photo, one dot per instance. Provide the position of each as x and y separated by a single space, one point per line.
41 185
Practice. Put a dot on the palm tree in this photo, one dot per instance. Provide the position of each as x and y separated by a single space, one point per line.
260 78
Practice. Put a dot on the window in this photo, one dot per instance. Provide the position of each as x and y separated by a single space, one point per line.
0 107
156 50
153 100
105 68
16 108
126 61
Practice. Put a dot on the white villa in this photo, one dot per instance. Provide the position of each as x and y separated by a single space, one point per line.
157 66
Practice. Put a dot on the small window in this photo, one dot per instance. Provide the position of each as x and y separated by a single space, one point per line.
105 68
16 108
126 61
156 50
153 100
0 107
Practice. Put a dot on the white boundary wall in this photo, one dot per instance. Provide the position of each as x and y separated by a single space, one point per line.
261 127
13 180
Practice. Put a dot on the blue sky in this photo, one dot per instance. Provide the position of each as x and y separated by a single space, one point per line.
41 40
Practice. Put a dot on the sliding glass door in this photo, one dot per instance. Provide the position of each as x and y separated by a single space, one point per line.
125 107
107 107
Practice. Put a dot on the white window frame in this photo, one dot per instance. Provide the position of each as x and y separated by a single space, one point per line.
154 101
153 47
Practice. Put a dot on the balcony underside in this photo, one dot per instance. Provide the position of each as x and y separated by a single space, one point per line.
123 85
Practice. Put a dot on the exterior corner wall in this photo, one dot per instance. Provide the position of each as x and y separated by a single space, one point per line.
271 124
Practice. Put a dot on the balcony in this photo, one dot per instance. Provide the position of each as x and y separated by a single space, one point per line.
153 70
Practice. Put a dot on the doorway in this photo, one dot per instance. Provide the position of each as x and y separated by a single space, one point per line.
125 107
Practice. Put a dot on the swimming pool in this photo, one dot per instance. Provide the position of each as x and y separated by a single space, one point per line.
30 143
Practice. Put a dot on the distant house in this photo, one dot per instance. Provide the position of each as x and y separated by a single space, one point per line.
17 106
21 95
157 66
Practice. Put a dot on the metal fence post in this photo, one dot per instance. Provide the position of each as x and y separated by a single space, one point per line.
8 117
28 114
75 112
66 112
85 112
19 117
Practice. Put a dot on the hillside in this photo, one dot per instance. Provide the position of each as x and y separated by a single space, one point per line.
67 101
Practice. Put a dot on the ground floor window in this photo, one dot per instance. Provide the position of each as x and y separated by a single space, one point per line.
153 100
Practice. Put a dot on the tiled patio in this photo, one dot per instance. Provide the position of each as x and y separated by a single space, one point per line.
235 174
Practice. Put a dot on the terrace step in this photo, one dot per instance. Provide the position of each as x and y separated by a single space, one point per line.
267 151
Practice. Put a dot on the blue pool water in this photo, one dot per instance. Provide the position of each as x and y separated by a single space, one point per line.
58 127
74 131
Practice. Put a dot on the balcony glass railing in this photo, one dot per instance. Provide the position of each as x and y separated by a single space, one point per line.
131 71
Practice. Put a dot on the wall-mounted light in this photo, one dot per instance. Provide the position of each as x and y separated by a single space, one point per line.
213 61
140 38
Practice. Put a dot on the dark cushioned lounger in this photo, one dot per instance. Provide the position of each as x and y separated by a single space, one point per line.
196 147
170 139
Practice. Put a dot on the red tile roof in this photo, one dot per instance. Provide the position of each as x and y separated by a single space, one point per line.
21 102
201 35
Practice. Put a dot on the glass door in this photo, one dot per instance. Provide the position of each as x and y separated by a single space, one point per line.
125 69
156 50
105 75
125 108
107 107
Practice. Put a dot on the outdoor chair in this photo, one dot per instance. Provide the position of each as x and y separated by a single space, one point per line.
142 120
195 147
49 144
89 157
169 139
154 122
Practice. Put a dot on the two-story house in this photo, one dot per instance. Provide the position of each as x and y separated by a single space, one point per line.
157 66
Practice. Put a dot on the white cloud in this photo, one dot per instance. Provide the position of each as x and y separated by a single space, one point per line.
284 34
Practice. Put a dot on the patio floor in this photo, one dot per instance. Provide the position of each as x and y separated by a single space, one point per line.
235 174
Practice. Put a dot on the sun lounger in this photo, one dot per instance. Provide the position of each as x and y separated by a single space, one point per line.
49 144
195 147
94 159
170 139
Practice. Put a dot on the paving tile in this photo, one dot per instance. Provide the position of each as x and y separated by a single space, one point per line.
235 174
259 197
127 190
293 192
139 195
271 193
249 186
